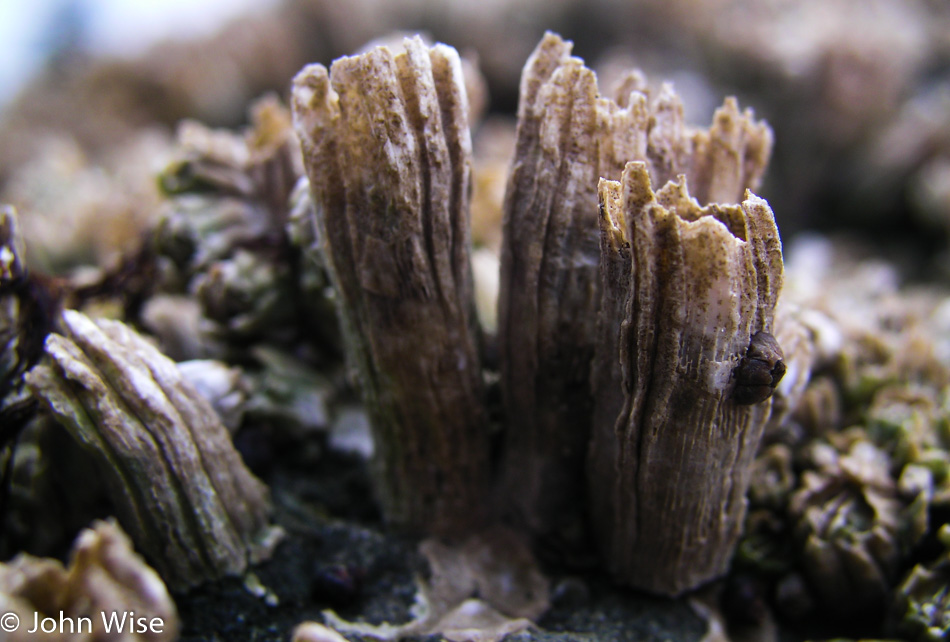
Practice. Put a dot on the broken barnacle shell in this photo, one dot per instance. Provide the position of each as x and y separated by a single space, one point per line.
177 483
569 136
669 471
105 578
486 587
221 385
848 519
387 150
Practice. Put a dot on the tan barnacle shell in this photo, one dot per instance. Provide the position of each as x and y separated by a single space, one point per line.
387 150
178 485
671 450
568 137
105 575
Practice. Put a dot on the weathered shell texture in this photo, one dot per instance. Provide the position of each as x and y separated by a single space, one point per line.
178 484
388 153
669 473
568 137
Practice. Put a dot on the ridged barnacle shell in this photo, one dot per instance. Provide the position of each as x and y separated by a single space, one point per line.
387 150
671 449
177 483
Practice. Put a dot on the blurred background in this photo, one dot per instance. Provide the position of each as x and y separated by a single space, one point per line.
857 92
35 32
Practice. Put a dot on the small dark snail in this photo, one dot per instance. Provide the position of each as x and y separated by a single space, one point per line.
760 371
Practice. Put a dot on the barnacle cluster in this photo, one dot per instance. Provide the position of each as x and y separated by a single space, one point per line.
854 482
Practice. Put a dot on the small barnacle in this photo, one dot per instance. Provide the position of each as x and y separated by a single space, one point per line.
921 605
848 523
760 370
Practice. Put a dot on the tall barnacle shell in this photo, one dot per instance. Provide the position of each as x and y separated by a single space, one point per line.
548 275
105 575
677 424
848 521
178 485
388 153
568 137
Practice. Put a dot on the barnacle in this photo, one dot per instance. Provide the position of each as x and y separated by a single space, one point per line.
178 485
388 153
222 236
14 319
848 521
922 601
568 137
668 472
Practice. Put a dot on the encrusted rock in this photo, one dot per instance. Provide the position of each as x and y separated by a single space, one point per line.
178 484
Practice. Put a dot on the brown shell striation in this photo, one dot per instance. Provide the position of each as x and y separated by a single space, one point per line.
387 150
671 447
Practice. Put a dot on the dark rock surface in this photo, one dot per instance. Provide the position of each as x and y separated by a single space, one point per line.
336 556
